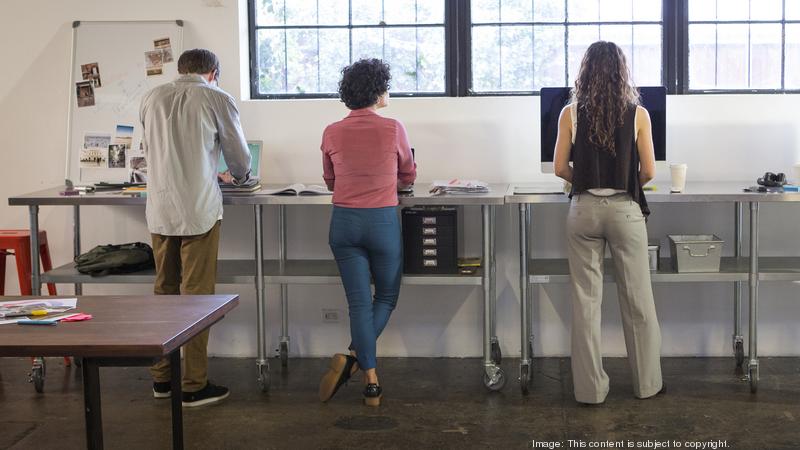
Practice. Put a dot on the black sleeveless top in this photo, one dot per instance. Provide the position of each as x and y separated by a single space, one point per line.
596 168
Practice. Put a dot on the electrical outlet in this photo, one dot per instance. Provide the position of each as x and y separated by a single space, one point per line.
330 315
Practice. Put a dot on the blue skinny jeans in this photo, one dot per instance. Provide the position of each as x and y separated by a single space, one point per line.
367 245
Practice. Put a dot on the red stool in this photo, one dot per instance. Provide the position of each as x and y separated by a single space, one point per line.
19 244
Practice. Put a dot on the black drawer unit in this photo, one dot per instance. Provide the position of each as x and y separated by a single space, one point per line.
430 240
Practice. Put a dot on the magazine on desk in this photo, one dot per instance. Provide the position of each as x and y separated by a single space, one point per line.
14 311
299 189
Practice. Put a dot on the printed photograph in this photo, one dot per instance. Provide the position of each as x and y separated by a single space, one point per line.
96 141
93 158
91 72
116 156
137 170
85 93
124 135
154 62
164 45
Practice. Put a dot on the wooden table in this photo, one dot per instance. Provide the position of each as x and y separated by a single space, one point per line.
124 331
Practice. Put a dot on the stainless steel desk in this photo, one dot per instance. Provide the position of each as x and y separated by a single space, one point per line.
737 269
284 271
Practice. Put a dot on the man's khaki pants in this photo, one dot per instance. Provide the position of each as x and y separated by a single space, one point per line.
187 265
618 220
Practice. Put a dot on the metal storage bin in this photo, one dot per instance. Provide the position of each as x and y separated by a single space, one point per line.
695 252
654 251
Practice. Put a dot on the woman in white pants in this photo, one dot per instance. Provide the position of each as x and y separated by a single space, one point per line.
608 137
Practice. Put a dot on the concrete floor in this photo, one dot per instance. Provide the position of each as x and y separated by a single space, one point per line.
429 403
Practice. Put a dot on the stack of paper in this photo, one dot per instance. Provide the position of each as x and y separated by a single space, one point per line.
49 309
457 186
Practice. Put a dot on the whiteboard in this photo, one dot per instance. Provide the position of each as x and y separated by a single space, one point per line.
109 75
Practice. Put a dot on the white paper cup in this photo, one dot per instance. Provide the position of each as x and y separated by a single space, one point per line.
796 173
678 174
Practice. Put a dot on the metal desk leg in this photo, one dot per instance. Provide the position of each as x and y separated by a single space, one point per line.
493 377
36 277
91 401
262 364
496 352
176 399
76 240
282 256
752 368
524 306
738 339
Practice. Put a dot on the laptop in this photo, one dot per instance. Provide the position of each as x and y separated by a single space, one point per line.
408 189
255 161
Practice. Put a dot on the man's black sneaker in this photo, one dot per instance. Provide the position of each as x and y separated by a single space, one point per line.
206 396
162 389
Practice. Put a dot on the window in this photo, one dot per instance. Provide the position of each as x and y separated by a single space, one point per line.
298 47
524 45
744 45
507 47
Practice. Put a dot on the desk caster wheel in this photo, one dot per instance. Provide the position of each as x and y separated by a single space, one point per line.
263 378
739 353
524 378
497 383
752 375
284 354
497 354
37 374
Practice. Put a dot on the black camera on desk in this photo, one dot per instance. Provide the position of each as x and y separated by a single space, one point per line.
430 240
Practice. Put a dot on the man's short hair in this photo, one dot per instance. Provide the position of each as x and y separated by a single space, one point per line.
198 60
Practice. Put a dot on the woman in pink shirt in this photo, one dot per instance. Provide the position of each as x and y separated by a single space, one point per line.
365 158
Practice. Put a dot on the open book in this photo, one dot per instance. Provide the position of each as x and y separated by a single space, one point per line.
299 189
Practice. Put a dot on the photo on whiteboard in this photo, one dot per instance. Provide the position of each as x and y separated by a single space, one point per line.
91 72
85 93
93 158
96 141
154 62
116 156
137 170
124 135
164 45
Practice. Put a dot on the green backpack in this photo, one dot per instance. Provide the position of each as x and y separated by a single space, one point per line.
115 259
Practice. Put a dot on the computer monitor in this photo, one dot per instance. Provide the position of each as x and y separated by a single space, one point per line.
553 100
255 159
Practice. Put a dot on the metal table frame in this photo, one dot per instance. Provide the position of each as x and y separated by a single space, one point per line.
284 271
695 192
324 272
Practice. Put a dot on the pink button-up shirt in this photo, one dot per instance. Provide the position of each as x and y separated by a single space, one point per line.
364 157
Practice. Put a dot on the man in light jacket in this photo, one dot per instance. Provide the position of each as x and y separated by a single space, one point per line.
186 123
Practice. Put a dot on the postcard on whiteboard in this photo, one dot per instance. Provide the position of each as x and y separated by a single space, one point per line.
155 62
164 45
116 156
137 169
124 135
85 92
91 72
94 153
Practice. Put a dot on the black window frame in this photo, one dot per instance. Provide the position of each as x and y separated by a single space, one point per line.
253 64
458 55
684 19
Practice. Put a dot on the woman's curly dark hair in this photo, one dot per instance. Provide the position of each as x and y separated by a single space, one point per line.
363 82
604 91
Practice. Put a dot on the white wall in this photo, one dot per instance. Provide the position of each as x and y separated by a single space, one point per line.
495 139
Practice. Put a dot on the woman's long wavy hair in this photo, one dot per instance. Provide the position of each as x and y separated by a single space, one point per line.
604 92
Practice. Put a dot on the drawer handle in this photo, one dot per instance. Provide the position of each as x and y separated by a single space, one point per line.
429 220
698 255
429 231
429 263
428 241
429 252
